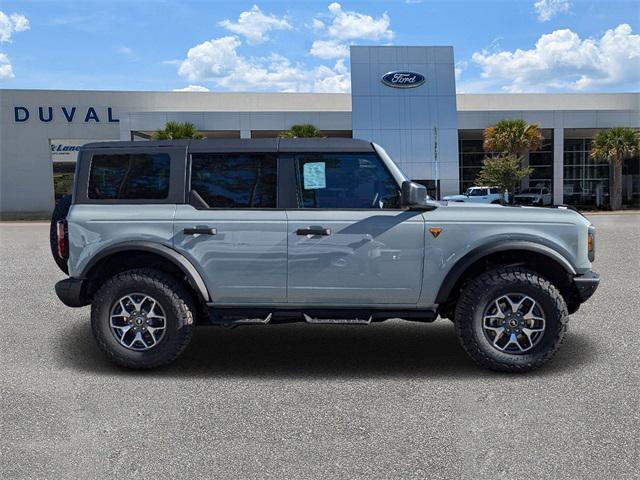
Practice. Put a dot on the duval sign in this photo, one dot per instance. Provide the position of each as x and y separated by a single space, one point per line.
66 113
403 79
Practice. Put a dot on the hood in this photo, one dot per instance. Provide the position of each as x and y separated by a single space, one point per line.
470 212
455 197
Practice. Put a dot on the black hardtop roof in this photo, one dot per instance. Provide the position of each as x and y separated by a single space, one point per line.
248 145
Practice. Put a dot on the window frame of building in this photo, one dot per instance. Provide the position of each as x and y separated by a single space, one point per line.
471 154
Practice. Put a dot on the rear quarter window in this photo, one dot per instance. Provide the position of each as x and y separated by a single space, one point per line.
235 180
142 176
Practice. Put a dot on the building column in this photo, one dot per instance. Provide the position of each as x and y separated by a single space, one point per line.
558 166
525 163
245 133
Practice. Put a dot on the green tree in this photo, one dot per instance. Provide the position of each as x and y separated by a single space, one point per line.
177 130
614 146
504 172
513 138
304 130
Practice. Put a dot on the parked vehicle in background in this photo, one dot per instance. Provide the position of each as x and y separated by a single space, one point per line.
162 236
478 195
538 196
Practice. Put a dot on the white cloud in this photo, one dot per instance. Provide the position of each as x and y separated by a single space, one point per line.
561 60
192 88
125 51
6 70
210 59
460 67
346 25
328 49
10 24
317 25
218 61
547 9
254 25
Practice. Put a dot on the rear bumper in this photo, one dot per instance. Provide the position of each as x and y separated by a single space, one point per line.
70 292
586 285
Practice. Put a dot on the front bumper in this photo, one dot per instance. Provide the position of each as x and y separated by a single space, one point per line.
586 285
71 292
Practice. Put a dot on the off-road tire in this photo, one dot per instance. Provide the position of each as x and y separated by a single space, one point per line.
59 213
486 287
174 298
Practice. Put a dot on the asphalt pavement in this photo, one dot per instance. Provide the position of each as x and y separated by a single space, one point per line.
391 400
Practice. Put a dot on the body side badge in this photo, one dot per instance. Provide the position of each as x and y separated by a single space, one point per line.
435 231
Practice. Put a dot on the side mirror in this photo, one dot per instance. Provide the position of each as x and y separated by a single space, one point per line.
413 194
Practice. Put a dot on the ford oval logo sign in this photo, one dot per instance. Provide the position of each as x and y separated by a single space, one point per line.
403 79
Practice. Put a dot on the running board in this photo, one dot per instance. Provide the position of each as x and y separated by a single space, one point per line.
245 321
337 321
236 316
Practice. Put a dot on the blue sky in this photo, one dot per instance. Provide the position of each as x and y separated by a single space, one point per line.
500 46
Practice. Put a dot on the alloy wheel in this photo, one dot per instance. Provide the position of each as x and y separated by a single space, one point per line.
513 323
138 321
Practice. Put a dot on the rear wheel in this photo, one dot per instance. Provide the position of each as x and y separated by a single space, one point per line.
511 320
143 318
59 213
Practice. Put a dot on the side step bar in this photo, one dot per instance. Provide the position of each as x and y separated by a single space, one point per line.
235 316
337 321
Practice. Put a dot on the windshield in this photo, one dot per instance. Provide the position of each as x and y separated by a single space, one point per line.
475 192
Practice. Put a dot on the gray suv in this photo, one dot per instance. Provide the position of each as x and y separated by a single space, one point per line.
162 236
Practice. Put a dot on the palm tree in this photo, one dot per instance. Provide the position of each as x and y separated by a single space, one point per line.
512 137
304 130
614 146
176 130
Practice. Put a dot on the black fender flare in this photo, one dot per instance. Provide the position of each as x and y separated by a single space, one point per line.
478 253
168 253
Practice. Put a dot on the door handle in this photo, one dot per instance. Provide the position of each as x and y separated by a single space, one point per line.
200 231
314 231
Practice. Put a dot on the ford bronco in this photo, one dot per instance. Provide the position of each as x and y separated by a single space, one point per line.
159 237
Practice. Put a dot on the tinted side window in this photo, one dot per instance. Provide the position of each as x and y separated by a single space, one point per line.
235 181
344 181
141 176
494 191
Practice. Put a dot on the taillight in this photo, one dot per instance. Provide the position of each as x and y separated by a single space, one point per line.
591 244
61 232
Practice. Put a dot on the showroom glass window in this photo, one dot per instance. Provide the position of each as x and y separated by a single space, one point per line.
541 161
472 155
586 181
235 180
339 181
141 176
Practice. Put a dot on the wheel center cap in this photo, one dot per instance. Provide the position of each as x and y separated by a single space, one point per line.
513 323
139 320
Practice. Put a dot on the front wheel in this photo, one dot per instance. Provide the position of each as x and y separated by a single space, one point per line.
142 318
511 320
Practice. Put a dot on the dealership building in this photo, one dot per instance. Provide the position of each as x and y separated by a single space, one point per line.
433 133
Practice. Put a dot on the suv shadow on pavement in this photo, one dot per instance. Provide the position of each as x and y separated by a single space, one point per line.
394 349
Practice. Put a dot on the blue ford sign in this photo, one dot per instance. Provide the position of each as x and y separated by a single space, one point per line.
401 79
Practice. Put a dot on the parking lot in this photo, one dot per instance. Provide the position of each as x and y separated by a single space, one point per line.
392 400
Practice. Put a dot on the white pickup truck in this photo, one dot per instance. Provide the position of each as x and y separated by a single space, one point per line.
478 195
